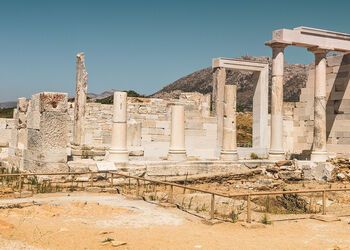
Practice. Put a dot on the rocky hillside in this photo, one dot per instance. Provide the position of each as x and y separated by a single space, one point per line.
201 81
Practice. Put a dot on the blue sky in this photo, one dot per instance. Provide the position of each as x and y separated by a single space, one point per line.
142 45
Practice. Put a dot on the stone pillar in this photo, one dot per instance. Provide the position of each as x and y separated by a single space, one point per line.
229 142
21 122
276 143
118 151
177 149
219 80
80 99
319 146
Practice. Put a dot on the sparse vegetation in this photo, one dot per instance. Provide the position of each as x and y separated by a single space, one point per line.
265 220
245 129
254 156
6 113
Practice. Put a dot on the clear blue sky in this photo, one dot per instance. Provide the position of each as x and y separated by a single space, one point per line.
142 45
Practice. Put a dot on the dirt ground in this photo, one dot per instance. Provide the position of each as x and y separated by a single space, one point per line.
97 221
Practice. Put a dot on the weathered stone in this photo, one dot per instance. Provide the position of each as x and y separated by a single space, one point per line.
290 175
318 171
80 99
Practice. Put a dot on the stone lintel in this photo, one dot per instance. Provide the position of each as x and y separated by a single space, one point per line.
309 37
236 64
318 50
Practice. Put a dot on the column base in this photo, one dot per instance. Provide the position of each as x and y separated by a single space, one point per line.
275 155
118 156
319 156
177 155
229 155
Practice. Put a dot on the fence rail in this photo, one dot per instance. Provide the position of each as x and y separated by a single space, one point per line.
137 180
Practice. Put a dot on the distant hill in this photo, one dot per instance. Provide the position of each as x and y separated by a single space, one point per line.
295 78
108 99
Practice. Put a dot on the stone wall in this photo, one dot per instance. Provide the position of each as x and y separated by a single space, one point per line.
7 130
47 133
298 116
153 117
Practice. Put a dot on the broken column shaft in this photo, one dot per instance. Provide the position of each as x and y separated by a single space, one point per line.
118 151
80 99
177 150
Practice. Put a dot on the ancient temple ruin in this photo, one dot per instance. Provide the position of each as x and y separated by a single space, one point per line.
48 133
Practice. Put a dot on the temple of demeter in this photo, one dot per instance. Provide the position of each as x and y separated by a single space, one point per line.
48 133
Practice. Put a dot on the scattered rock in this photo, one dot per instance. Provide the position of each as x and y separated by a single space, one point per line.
117 243
284 163
322 171
341 177
295 175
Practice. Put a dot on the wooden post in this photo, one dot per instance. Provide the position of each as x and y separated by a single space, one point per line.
249 215
212 206
112 177
138 188
267 203
20 184
171 194
324 202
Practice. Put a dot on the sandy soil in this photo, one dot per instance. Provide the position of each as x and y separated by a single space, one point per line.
85 221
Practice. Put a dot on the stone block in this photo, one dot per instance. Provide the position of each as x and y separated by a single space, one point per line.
22 104
322 171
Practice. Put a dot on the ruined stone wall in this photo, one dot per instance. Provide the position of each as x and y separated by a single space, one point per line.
47 134
7 130
153 116
298 116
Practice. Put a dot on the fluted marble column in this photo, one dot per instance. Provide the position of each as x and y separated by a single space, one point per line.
118 151
319 146
177 149
276 143
229 140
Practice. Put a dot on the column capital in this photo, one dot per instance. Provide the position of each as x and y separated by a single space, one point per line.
318 50
276 45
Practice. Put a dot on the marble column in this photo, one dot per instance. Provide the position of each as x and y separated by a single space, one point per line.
80 99
276 143
119 151
177 149
319 146
229 140
219 81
